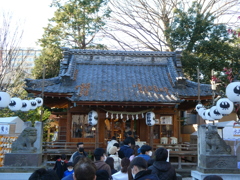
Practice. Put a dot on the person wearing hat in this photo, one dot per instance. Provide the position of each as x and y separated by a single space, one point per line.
80 151
100 158
69 169
117 161
146 152
139 170
111 143
163 169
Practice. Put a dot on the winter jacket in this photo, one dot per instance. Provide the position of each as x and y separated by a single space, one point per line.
117 162
101 165
145 174
144 156
110 144
120 176
164 170
59 167
127 151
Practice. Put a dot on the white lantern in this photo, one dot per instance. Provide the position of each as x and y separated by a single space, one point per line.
4 99
201 110
233 91
198 106
224 106
208 115
25 105
92 118
33 104
150 118
39 101
203 114
15 104
214 113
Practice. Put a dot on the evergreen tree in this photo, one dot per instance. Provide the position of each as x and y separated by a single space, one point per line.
75 24
204 43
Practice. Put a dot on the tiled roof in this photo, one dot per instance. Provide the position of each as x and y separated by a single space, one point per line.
120 76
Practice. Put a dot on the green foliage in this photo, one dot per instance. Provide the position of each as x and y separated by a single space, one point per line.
32 115
204 44
75 24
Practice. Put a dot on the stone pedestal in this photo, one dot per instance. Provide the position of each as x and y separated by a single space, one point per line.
23 160
218 163
196 175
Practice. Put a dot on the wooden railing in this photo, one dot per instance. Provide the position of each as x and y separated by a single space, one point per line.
67 148
181 154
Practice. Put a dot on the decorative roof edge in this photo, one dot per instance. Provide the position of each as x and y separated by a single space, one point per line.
117 53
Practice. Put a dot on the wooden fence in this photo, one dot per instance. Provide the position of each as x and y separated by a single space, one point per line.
180 154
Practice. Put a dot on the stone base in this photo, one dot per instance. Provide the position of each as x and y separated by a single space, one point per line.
20 170
218 163
196 175
23 160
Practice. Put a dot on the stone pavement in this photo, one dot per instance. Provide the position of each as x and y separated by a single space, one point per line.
14 176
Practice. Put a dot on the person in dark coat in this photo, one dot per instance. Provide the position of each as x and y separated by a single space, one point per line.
126 148
80 151
163 169
139 170
60 166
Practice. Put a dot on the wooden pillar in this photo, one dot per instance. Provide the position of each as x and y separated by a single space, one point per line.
97 132
69 120
151 136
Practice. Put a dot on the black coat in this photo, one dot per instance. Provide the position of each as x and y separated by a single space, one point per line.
164 170
145 174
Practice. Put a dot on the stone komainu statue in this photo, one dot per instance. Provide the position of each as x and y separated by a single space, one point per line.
216 145
24 142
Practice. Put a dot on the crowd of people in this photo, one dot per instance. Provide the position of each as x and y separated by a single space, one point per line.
126 162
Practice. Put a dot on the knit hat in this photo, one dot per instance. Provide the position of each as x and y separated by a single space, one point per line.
140 162
69 164
113 150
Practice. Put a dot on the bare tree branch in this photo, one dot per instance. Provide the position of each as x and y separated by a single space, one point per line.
141 24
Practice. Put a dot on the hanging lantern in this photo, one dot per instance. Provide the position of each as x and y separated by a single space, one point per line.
132 117
233 91
25 105
33 104
106 114
198 106
150 118
15 104
224 106
203 114
208 115
201 110
137 117
39 101
4 99
214 113
121 116
92 118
